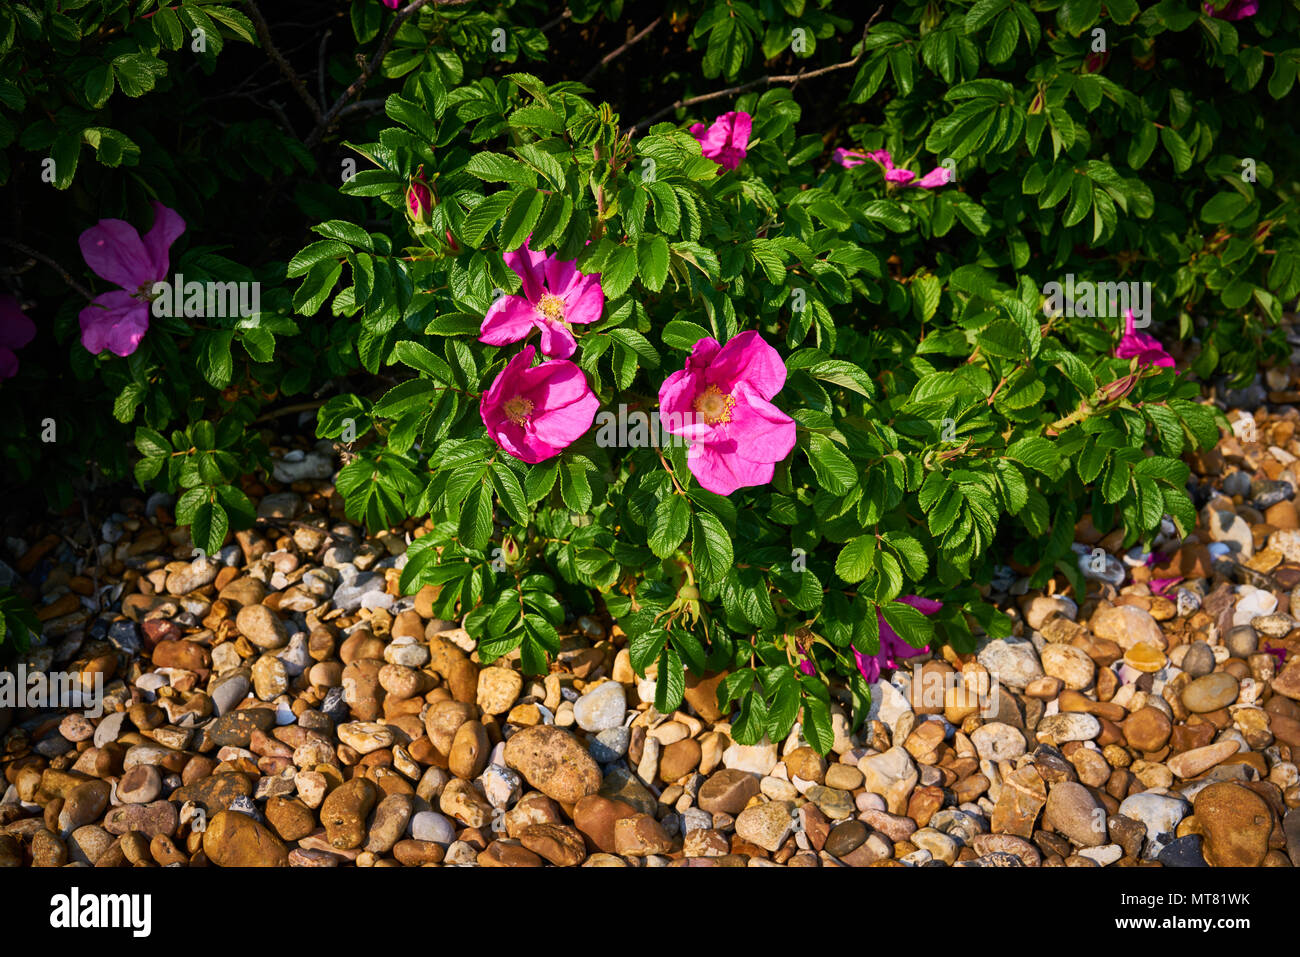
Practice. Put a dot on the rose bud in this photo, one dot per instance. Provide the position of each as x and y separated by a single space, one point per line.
419 201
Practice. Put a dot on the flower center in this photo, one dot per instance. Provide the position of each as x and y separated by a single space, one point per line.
551 307
714 406
518 409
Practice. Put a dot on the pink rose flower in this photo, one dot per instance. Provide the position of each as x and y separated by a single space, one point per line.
849 158
555 295
721 403
16 330
1235 10
892 648
535 412
392 4
1148 350
726 140
113 249
936 177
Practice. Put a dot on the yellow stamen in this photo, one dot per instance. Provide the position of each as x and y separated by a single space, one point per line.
551 307
714 406
518 409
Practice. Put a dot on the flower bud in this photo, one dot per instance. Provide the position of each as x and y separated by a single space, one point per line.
510 552
419 201
1113 391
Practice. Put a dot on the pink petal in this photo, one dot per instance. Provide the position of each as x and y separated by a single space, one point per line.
882 157
557 341
528 266
8 363
167 227
747 358
761 431
16 329
936 177
677 405
561 426
509 319
114 251
869 665
115 321
926 606
899 176
584 301
722 472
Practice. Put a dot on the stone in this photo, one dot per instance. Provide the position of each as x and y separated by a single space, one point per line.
1235 822
236 728
728 791
1058 729
595 817
140 785
232 839
679 759
560 844
1190 764
610 745
365 736
757 759
1127 625
892 775
498 689
1160 814
601 708
470 751
552 760
835 804
1183 852
1210 693
996 741
1147 729
1071 810
462 801
344 813
767 825
262 627
290 818
1022 797
430 826
702 695
640 835
270 678
1198 661
846 838
392 815
1013 663
1070 664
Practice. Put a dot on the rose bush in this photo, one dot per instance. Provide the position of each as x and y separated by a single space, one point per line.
776 378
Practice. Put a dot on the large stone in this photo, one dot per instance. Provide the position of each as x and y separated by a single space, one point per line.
262 627
1073 811
892 775
1214 691
554 762
498 688
344 813
640 836
1127 625
702 695
596 817
728 791
1019 803
1236 823
601 708
767 825
233 839
1011 663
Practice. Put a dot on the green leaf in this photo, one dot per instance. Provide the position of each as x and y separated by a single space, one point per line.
710 547
856 558
671 522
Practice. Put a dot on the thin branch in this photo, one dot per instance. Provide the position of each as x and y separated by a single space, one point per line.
550 23
360 106
320 70
792 78
610 57
295 81
63 273
371 68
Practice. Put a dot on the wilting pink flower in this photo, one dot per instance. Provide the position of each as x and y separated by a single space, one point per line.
535 412
892 648
1279 653
936 177
721 403
1235 10
849 158
1146 348
392 4
726 140
555 295
1094 62
113 249
1161 585
806 665
16 330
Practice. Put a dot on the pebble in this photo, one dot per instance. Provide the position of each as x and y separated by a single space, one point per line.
1210 693
602 708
